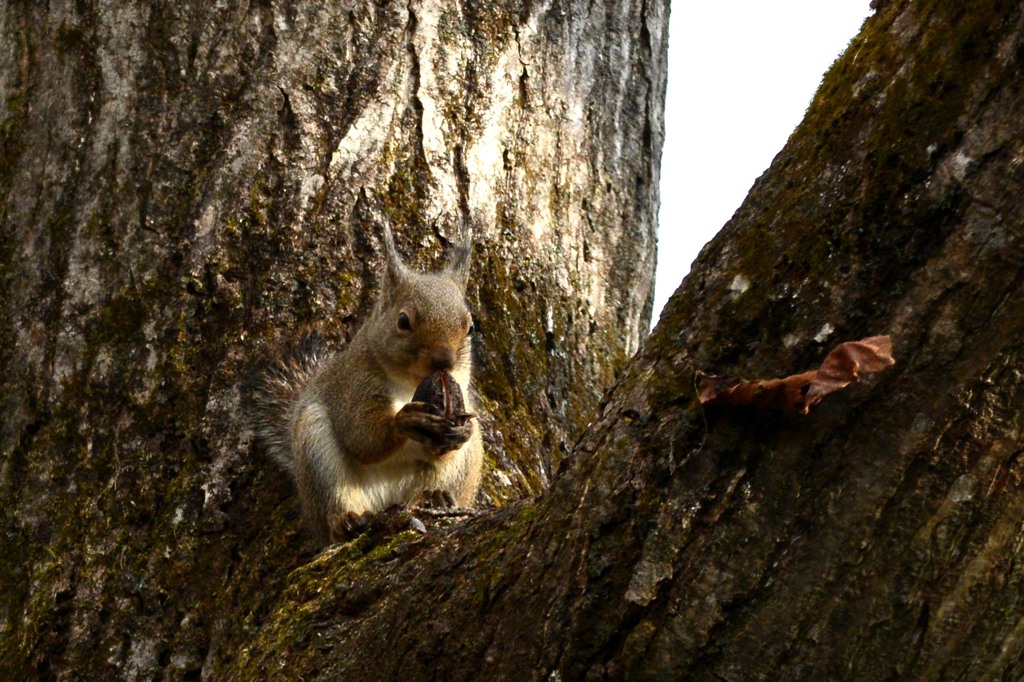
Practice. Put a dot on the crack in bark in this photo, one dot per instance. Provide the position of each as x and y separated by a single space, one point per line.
414 72
462 185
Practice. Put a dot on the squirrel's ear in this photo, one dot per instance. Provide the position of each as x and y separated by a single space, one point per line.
395 268
458 263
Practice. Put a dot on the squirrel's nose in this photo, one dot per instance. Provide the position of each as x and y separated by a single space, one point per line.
442 359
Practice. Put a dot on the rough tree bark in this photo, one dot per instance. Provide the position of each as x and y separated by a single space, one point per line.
877 538
186 184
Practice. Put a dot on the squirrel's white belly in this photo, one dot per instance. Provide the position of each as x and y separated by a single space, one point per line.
374 487
400 479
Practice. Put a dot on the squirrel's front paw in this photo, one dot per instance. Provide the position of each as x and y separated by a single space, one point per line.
424 423
458 432
420 421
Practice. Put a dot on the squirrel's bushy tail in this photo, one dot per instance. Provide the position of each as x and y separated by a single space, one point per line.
277 393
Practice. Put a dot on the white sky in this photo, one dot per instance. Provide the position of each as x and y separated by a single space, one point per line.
741 74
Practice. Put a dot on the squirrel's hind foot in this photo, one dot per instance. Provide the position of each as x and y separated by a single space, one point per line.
348 525
434 499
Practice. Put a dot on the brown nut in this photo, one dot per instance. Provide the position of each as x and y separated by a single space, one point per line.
442 391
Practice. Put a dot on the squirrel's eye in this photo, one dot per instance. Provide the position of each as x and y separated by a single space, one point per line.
472 327
403 322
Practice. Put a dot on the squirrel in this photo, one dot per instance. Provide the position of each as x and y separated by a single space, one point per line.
346 427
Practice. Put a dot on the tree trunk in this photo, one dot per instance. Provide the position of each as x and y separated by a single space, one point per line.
876 538
186 184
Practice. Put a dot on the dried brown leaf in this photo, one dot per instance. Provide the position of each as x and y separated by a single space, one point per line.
797 393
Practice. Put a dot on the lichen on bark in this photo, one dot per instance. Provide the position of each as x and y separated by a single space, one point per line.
185 185
872 539
144 269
